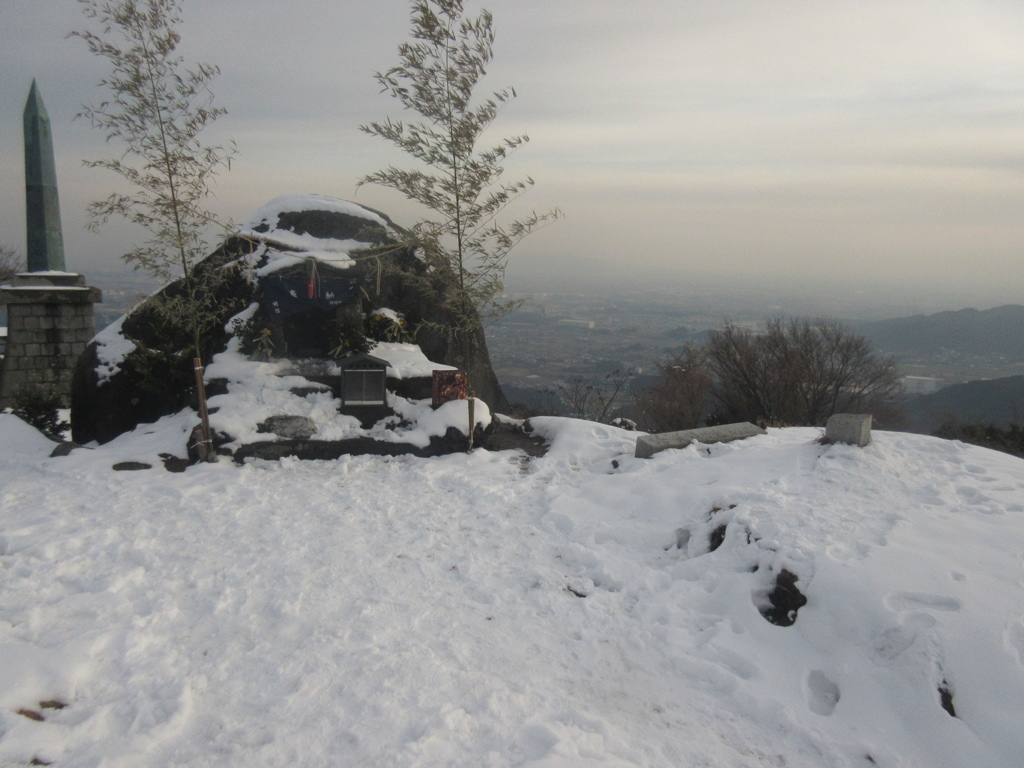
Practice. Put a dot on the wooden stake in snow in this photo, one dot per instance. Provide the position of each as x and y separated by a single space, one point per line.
205 442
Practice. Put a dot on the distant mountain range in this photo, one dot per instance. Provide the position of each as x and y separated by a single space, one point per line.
989 401
997 331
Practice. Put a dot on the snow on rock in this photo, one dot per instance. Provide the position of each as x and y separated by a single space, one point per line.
296 203
583 608
258 391
427 422
406 361
264 225
112 347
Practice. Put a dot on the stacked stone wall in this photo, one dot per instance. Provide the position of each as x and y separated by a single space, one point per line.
43 343
47 330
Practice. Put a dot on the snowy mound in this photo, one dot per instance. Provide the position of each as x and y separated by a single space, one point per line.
584 608
260 391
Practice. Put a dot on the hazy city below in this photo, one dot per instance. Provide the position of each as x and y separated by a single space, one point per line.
574 329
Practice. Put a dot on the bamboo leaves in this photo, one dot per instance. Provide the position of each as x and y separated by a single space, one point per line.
462 240
156 110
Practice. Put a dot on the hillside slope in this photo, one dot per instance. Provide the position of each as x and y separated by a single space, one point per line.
585 608
987 401
996 331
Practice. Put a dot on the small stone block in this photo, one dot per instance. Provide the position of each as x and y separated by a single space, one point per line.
288 427
648 445
131 466
852 428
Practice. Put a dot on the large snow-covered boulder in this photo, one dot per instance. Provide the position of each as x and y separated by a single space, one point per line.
306 276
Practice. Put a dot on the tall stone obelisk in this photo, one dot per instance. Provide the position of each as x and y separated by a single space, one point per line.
42 207
49 311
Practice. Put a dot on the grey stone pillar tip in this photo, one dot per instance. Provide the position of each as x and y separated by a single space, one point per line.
45 246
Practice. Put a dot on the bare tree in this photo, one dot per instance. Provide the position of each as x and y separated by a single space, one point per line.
11 263
593 399
799 372
750 374
678 397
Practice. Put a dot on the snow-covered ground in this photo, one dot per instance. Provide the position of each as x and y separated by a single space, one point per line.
491 610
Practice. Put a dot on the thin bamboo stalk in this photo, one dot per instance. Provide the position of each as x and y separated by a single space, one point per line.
205 441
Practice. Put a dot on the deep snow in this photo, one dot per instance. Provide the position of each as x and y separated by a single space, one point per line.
424 612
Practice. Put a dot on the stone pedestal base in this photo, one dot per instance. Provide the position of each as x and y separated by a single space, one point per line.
49 323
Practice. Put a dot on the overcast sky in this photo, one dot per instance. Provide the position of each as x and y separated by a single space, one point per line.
877 141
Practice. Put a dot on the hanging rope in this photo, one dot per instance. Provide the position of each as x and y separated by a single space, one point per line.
314 286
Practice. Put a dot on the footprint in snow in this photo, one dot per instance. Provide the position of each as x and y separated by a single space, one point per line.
535 742
892 642
1013 639
733 662
822 694
969 493
916 601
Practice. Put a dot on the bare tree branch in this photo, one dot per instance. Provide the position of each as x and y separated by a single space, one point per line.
798 372
11 263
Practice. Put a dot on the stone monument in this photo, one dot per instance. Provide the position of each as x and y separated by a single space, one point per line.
42 207
49 311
